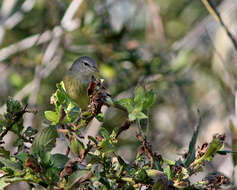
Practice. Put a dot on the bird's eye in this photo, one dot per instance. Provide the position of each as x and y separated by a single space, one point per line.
85 63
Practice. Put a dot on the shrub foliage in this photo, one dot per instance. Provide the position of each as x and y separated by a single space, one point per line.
97 164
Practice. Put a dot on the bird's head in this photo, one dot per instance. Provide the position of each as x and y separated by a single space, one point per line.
84 64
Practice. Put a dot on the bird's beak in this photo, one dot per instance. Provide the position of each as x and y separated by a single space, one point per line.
96 69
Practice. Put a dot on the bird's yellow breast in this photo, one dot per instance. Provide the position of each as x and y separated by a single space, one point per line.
76 88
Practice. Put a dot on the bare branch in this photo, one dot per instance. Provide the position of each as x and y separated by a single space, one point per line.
14 19
47 35
226 73
67 21
6 8
195 39
49 53
214 12
25 44
44 73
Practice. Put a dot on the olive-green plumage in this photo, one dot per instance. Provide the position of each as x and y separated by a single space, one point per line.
77 80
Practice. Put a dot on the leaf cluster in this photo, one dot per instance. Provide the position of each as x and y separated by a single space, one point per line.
97 164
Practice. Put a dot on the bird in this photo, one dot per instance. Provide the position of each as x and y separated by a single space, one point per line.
76 83
77 80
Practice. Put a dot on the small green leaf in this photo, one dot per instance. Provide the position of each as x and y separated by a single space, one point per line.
100 117
127 103
77 146
131 117
104 133
93 139
18 142
30 131
3 182
45 141
192 145
78 177
13 106
4 153
59 160
61 95
168 172
10 164
233 130
149 99
141 115
141 176
140 95
215 146
22 156
51 116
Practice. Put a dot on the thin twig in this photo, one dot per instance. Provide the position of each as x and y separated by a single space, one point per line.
38 39
124 127
215 13
194 39
228 76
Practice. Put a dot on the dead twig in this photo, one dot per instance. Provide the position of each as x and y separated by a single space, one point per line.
124 127
146 148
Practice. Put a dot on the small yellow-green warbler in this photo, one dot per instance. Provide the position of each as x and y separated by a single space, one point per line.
78 78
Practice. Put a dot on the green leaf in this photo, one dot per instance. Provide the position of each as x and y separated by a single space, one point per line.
100 117
93 139
143 99
10 164
106 146
127 103
52 116
3 123
13 106
141 115
168 172
45 141
149 98
3 184
140 95
169 162
77 146
141 176
131 117
30 131
215 146
104 133
192 145
52 173
61 95
233 130
22 156
59 160
18 142
45 159
78 177
4 153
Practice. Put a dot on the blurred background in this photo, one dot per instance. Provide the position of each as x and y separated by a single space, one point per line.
174 47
